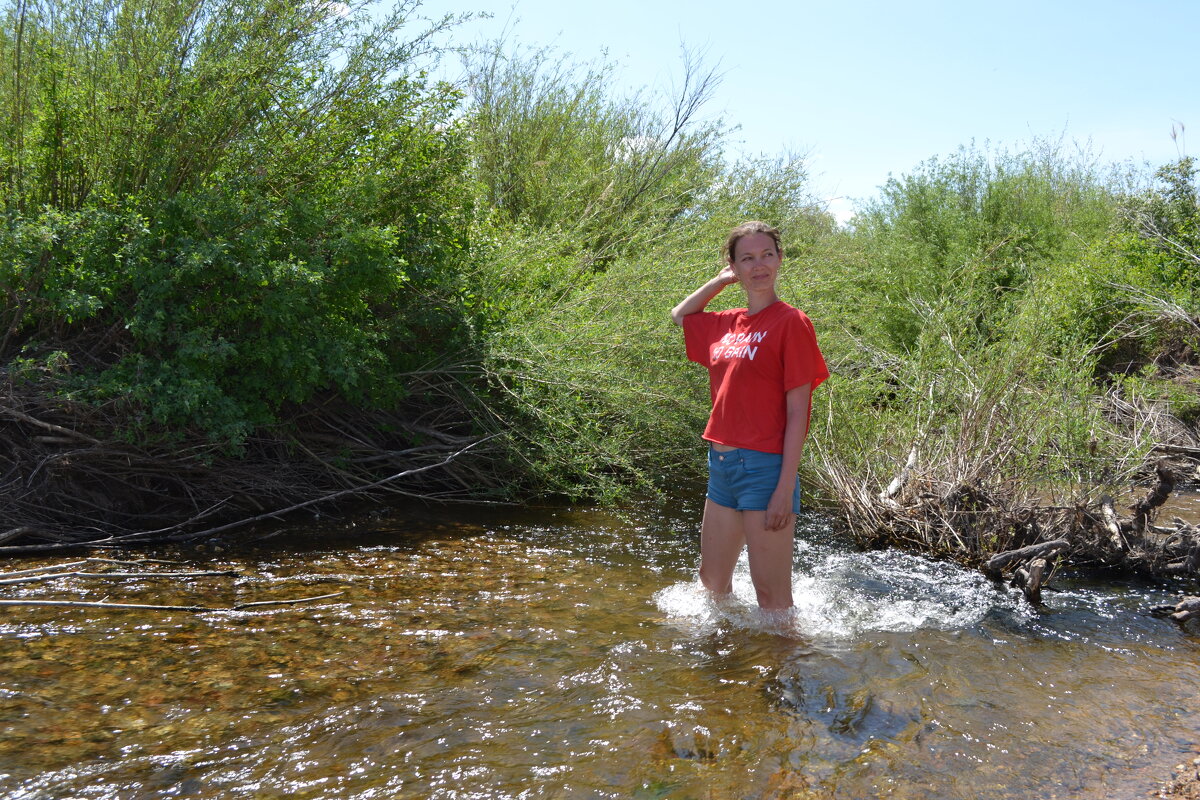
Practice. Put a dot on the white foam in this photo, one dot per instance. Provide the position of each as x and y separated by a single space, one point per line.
844 596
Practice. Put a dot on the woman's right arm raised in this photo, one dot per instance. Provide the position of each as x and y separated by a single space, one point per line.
697 300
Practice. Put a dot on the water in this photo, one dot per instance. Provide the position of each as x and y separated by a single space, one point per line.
571 655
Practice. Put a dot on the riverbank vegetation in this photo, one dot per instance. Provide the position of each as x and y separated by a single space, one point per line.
255 259
1035 355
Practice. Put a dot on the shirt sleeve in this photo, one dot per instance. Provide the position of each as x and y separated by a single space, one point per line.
697 335
802 359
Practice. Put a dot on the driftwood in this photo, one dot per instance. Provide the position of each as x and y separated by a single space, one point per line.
140 477
1157 496
982 520
1030 579
16 533
1112 523
1178 450
151 607
1003 562
69 570
1185 609
1185 566
114 576
1028 565
888 495
67 565
67 434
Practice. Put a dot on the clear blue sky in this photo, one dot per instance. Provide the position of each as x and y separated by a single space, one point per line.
868 88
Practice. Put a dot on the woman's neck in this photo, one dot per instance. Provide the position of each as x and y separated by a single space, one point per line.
759 300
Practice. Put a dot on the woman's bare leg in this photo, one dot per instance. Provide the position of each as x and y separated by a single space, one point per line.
721 541
770 553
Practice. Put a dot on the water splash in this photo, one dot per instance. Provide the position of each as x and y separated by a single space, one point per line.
844 596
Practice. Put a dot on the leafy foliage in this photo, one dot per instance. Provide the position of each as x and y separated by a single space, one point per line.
978 227
218 214
227 208
602 212
983 291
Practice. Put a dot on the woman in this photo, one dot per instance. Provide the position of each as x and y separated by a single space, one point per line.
763 364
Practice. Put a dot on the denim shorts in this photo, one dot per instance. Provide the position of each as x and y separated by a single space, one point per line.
744 480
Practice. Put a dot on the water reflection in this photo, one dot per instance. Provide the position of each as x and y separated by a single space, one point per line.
572 655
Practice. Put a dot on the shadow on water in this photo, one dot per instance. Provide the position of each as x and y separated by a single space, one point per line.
557 653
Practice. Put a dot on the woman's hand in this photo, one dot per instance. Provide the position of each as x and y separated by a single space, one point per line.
779 508
697 300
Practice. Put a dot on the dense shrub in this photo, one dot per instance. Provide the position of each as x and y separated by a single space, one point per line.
217 208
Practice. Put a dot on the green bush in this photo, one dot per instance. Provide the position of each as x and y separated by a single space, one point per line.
223 209
968 303
977 228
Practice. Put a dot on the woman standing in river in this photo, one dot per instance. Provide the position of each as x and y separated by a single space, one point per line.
763 363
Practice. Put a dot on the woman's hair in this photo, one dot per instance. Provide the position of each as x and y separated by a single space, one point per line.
747 228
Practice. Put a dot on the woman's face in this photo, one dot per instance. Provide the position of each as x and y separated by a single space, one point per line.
755 261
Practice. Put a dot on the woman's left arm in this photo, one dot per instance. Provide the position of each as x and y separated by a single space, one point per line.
795 431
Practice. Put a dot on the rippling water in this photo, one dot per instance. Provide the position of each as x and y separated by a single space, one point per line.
572 655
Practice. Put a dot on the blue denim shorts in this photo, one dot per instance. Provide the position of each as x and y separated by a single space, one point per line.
744 480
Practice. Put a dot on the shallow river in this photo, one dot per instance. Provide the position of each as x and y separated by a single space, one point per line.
570 655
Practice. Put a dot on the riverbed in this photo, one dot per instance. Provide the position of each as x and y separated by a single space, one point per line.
552 653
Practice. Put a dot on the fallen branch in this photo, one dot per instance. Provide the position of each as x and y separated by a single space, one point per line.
260 603
40 570
329 497
74 481
1112 523
148 607
1155 498
16 533
1185 566
1185 609
999 563
1177 450
49 426
72 564
49 576
1029 580
888 495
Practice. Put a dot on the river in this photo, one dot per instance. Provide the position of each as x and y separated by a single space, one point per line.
551 653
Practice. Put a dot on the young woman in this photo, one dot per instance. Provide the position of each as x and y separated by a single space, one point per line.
763 363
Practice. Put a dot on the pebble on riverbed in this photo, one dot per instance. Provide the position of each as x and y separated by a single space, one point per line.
1185 785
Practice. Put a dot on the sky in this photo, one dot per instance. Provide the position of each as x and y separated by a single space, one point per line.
866 89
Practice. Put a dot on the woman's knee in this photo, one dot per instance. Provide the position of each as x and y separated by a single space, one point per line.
773 595
717 579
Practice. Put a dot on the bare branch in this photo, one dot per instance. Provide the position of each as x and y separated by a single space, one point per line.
151 607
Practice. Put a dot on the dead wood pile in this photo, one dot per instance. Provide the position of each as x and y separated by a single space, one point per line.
990 526
67 479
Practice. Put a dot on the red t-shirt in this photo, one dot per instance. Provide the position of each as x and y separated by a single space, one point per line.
753 361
